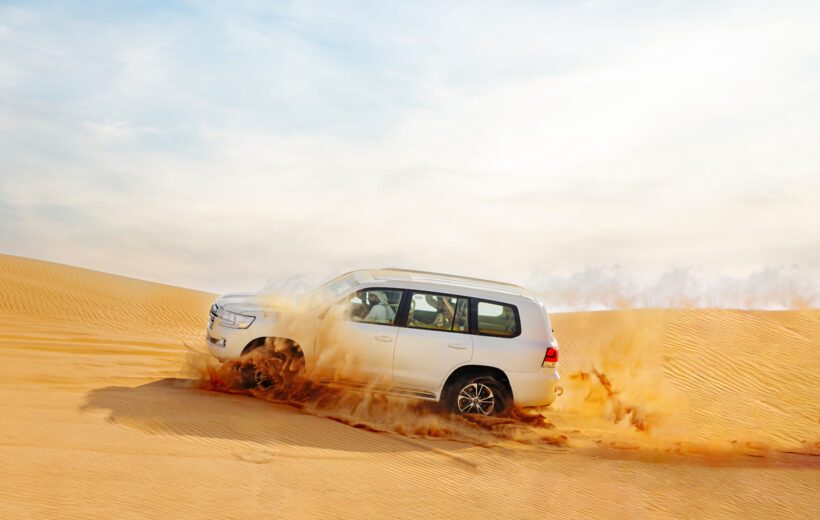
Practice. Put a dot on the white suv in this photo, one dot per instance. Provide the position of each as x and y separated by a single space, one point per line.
474 345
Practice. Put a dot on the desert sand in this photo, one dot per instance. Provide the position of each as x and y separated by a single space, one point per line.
666 414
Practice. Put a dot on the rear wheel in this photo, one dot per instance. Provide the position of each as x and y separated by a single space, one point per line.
476 394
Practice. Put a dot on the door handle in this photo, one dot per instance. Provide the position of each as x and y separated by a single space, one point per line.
457 346
384 338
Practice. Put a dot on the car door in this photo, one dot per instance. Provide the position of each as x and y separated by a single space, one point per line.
357 337
435 340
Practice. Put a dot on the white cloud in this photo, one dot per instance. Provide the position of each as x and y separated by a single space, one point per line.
494 140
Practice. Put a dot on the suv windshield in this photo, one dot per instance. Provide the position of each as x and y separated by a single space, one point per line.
335 287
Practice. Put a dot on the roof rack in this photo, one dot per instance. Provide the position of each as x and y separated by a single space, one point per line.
459 277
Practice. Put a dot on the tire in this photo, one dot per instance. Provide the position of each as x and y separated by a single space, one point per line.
256 375
260 373
476 394
249 376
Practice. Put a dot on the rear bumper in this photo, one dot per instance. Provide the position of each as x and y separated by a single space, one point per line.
534 388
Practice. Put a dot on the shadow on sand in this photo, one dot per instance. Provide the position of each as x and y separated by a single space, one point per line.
172 406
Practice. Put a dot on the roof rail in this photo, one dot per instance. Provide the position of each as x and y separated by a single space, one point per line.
453 276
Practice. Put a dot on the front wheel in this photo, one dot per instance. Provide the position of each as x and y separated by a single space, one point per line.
262 372
476 394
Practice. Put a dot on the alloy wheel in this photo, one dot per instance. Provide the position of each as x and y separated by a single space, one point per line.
476 398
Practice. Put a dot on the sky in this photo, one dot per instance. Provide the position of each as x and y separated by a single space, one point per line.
600 146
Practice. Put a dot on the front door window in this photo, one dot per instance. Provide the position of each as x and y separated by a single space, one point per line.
373 306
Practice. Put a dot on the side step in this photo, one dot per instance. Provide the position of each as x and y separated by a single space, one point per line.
380 389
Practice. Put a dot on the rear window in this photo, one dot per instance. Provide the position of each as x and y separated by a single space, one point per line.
496 319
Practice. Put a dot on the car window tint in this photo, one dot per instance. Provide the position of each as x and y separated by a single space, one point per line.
496 319
372 305
436 311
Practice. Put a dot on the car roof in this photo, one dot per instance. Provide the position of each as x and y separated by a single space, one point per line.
390 274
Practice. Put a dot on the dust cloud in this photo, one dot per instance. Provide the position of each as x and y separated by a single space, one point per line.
600 288
266 374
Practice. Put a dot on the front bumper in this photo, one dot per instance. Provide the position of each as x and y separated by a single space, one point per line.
227 343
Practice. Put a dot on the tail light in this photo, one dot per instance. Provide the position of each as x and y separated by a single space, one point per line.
551 356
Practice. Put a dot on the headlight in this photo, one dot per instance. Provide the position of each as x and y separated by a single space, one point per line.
233 319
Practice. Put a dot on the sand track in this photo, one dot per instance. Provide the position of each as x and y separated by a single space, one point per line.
97 420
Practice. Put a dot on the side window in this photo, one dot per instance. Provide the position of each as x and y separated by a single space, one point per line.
372 305
496 319
439 312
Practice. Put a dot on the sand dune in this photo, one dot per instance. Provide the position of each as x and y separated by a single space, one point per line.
666 414
44 293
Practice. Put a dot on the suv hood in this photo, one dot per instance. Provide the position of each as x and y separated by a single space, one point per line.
244 303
